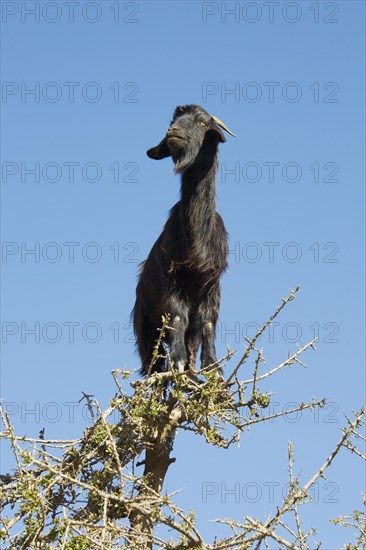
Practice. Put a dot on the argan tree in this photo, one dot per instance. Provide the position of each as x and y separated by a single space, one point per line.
85 493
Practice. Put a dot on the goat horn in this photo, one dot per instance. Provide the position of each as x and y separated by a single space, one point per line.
222 125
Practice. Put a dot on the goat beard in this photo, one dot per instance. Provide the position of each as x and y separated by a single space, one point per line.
183 161
200 157
182 164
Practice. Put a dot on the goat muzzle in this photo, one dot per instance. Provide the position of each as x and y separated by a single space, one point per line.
173 133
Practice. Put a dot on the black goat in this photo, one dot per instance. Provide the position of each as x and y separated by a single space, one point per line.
181 276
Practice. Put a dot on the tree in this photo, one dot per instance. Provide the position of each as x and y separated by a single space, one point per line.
84 493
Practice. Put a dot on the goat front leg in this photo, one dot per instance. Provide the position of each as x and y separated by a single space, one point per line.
208 350
176 337
208 314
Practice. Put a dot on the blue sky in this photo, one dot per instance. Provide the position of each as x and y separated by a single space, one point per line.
290 84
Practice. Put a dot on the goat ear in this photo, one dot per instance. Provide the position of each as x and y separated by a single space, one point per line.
160 151
218 134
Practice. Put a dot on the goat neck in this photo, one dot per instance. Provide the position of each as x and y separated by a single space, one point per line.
198 187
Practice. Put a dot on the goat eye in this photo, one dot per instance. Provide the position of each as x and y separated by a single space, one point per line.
203 123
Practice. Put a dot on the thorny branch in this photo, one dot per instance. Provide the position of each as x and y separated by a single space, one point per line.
84 493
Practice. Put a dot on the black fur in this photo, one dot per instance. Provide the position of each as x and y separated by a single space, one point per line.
181 275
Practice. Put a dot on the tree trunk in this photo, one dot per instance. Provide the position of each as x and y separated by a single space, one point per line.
157 461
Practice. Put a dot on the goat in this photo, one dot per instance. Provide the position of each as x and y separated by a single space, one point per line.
181 276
